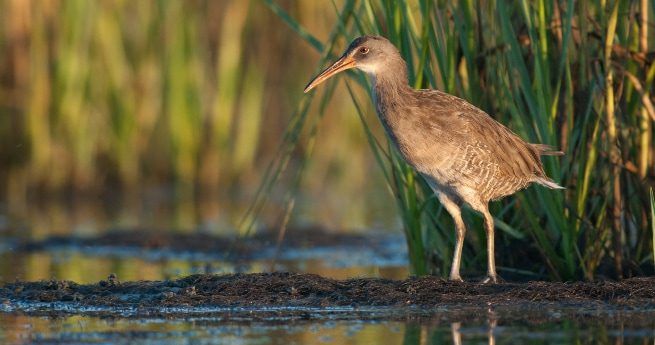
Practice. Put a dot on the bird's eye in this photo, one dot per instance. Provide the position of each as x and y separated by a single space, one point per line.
363 50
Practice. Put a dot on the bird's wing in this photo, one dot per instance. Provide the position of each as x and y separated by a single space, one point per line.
485 143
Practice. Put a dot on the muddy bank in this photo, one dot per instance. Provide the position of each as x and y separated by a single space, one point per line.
301 295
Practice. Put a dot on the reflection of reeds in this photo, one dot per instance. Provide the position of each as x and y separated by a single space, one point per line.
566 74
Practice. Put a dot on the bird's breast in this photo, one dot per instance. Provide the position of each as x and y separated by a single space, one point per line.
418 142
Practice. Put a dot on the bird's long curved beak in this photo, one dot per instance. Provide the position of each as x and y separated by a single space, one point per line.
344 63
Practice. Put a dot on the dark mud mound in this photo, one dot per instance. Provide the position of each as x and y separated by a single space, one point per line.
290 290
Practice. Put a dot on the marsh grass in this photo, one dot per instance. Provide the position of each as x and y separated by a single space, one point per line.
128 97
575 75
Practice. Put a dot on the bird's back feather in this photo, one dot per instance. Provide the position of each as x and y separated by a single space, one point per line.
480 152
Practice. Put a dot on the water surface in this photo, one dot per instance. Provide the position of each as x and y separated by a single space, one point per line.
17 329
92 264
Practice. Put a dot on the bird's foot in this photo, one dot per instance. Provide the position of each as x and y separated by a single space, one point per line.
492 279
456 279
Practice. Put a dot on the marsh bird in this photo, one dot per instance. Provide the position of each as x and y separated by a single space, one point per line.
465 155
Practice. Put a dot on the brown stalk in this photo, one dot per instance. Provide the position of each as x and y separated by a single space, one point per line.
648 108
612 137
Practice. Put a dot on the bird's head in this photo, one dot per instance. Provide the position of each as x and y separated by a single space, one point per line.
367 53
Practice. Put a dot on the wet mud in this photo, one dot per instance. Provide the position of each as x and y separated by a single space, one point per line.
308 296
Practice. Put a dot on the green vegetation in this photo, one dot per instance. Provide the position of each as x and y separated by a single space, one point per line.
120 92
114 92
132 94
576 75
136 96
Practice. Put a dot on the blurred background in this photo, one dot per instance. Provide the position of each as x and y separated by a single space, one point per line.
166 114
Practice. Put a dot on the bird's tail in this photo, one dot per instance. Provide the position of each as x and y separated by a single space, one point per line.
545 181
547 150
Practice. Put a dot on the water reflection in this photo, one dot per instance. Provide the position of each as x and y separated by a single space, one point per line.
456 332
93 260
83 268
155 210
166 210
94 217
538 332
17 329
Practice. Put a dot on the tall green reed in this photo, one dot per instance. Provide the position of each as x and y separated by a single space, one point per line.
557 73
127 93
131 97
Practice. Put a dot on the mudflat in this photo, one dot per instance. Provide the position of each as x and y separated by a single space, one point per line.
298 295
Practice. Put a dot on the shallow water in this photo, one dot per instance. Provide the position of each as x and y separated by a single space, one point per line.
92 264
17 329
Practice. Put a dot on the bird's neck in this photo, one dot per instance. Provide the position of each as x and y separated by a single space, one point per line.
391 86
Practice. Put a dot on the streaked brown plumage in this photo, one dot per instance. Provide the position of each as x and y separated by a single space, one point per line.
465 155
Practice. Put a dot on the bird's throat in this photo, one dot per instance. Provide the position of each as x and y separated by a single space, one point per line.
391 90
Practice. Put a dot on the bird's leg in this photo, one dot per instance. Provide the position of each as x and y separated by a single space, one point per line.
456 333
483 208
460 231
492 277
